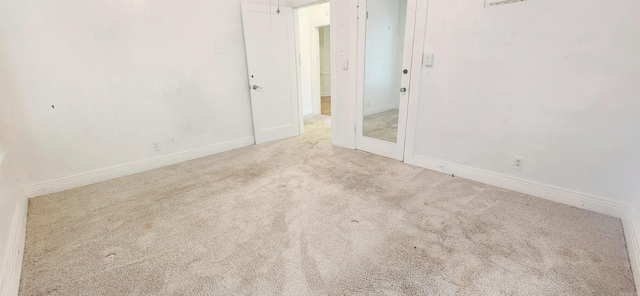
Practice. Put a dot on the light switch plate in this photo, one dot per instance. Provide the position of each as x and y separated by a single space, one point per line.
427 59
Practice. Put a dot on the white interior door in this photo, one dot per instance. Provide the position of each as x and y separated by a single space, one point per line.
385 46
270 48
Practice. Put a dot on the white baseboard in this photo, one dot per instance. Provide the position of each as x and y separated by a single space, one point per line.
630 221
10 280
73 181
631 227
344 143
379 109
576 199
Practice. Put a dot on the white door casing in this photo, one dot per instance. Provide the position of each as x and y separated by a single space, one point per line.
416 78
270 49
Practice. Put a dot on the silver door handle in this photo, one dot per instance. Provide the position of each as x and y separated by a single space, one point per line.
254 87
404 89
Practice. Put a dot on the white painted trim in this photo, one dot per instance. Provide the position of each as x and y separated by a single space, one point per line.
379 109
605 206
10 279
296 38
416 77
576 199
342 142
631 227
82 179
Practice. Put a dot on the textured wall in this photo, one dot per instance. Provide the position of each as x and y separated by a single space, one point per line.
94 84
555 82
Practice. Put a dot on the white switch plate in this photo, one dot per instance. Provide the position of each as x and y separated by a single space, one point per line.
427 59
345 64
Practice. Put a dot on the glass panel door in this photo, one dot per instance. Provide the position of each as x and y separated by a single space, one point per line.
385 46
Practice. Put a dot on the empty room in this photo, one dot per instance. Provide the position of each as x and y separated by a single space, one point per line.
314 147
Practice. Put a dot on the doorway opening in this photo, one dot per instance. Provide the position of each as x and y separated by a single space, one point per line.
325 69
314 66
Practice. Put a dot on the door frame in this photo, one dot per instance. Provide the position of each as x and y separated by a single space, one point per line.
373 145
316 92
262 135
416 80
318 28
343 21
313 26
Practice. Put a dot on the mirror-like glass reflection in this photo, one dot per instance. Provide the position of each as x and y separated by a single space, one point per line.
383 125
384 49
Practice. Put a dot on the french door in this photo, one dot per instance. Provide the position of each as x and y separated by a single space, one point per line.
385 49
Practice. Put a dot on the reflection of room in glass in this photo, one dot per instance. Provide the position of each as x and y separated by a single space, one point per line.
383 125
384 49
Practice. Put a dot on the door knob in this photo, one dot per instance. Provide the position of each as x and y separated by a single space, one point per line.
254 87
404 89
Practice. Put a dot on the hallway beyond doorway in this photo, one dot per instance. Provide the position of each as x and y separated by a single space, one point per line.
314 57
325 108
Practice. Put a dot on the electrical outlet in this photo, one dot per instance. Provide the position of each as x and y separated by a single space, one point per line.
156 146
518 163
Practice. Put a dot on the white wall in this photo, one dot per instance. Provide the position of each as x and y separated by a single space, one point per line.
555 82
121 75
309 18
344 54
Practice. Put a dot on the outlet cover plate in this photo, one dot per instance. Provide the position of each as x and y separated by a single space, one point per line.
518 163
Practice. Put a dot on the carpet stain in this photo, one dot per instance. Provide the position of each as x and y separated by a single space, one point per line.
303 217
311 271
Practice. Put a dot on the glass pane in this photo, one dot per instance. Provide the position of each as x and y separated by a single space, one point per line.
384 48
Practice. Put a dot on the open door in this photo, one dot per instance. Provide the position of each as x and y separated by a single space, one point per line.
385 47
270 48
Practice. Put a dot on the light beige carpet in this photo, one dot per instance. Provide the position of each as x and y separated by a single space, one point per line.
383 125
303 217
